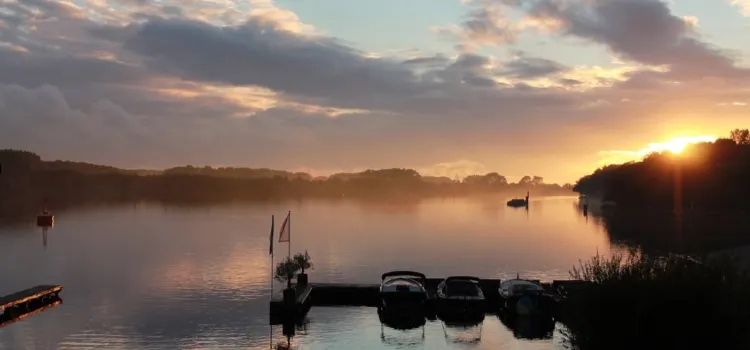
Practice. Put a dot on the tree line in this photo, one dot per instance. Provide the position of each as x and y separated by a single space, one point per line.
704 175
26 177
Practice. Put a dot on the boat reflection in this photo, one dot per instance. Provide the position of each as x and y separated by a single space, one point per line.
404 328
535 327
463 331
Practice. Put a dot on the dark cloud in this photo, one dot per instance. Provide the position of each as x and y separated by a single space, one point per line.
436 60
32 70
532 67
255 55
569 82
645 31
313 69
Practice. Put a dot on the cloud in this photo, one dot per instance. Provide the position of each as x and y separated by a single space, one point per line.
532 67
249 84
486 24
744 6
644 31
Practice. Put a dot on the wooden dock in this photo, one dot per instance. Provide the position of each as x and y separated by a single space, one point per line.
29 301
368 295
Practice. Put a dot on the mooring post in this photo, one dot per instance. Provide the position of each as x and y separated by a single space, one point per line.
290 299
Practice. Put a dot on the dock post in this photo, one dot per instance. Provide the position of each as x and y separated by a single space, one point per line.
302 279
290 299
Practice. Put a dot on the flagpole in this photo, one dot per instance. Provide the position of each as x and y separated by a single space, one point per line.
272 270
272 224
290 234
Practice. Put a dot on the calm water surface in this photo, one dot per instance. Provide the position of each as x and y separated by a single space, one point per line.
148 276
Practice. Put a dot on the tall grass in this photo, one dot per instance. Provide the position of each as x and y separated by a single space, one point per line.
674 302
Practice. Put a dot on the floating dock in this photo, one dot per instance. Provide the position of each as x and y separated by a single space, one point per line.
338 294
27 302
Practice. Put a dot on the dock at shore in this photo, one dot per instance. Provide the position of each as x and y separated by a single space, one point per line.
368 295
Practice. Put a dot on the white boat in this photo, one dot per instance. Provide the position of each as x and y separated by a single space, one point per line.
402 289
460 297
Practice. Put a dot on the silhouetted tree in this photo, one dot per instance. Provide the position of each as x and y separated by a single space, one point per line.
740 136
705 174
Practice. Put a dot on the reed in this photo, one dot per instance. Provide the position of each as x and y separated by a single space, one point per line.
637 301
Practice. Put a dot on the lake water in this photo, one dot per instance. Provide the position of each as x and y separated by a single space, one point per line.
148 276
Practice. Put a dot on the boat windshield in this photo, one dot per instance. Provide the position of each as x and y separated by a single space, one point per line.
524 286
462 288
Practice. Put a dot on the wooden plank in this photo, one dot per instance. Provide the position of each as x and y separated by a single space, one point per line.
28 294
10 320
303 294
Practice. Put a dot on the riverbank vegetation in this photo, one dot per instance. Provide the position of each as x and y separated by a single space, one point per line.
636 301
701 176
27 179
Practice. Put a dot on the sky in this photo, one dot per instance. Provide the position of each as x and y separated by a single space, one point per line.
554 88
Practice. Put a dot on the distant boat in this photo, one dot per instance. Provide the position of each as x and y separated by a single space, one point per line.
461 298
402 289
519 202
45 218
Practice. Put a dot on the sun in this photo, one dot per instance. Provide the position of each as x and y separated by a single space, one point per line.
675 145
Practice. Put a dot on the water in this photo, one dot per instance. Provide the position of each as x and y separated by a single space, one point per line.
148 276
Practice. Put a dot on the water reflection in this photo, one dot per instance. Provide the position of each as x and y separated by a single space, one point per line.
660 232
408 333
195 277
529 327
463 332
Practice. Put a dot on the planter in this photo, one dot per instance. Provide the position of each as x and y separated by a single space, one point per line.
290 299
302 279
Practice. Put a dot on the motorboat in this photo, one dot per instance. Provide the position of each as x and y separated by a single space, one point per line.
460 297
522 297
402 289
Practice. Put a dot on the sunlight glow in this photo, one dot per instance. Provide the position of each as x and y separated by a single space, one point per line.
675 145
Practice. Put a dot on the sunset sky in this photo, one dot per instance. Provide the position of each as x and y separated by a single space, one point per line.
553 88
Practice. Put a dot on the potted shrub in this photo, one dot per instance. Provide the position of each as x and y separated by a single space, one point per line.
303 262
285 272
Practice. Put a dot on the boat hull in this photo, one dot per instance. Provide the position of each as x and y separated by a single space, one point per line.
528 304
461 309
402 300
402 318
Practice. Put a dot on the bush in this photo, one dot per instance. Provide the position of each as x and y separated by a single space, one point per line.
286 270
304 261
673 302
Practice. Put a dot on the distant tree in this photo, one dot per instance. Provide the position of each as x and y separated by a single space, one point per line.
537 181
526 180
495 179
740 136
